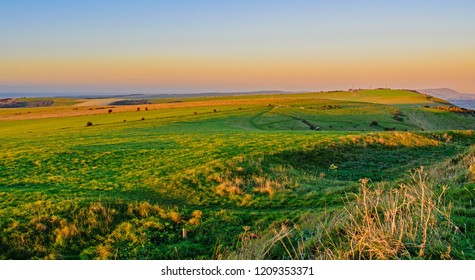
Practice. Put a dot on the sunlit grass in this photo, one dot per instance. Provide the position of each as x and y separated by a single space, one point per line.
127 188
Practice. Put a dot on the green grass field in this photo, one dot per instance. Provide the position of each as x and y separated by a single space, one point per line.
265 176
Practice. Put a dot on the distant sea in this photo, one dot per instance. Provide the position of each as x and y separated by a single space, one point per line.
54 94
29 94
467 104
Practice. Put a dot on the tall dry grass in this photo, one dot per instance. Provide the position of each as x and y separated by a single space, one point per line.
409 222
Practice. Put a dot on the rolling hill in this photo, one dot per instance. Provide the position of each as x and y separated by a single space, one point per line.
262 176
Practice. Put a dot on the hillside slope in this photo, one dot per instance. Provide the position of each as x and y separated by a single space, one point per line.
223 170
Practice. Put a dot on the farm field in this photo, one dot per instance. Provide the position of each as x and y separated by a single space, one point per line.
369 174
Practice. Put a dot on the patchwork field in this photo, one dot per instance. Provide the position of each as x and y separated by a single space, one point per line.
331 175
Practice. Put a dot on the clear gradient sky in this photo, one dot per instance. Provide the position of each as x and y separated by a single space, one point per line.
236 45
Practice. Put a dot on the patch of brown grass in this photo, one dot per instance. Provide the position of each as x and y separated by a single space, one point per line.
230 187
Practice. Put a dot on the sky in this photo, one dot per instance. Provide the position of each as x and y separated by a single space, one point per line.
115 46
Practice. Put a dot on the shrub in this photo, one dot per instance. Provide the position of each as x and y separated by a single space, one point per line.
175 216
196 217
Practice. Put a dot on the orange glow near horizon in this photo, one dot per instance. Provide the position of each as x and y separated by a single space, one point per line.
288 73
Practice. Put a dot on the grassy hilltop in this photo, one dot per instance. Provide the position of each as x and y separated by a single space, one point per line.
331 175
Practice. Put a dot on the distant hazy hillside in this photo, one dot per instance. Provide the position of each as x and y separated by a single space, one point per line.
460 99
203 94
14 103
